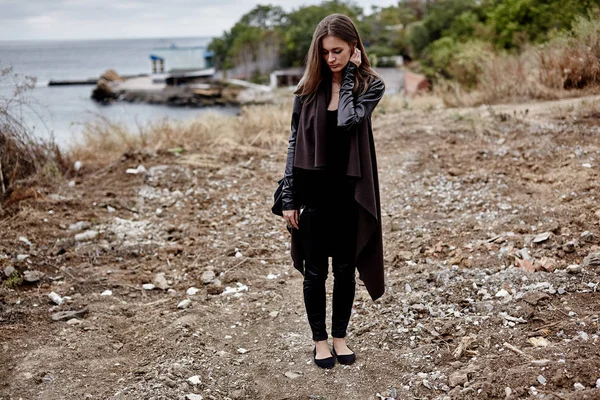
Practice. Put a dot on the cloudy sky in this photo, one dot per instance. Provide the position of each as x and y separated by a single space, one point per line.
86 19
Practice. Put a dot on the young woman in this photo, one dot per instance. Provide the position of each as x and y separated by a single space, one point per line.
330 192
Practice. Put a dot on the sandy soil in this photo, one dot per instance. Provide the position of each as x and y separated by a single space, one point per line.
491 223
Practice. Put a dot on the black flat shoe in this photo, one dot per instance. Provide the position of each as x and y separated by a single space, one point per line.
326 363
345 359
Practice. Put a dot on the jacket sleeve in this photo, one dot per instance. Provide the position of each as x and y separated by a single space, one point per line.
350 111
287 195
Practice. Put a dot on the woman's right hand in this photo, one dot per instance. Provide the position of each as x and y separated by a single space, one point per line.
291 218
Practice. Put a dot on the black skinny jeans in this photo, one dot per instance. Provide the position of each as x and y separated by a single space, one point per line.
329 229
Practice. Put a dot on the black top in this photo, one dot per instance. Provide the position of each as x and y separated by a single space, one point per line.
328 186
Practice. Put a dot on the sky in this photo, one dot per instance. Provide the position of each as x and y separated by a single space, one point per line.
99 19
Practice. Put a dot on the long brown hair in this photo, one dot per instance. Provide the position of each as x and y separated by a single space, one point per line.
341 26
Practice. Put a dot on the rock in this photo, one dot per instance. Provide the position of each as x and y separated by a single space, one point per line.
542 237
184 304
574 269
74 321
588 236
405 255
598 383
107 292
273 314
63 315
110 209
192 291
22 257
148 286
192 396
578 386
32 276
208 276
25 240
103 92
592 260
238 394
569 247
535 297
458 378
9 271
135 171
194 380
502 293
292 375
241 350
160 281
85 236
56 299
111 76
539 341
79 226
541 380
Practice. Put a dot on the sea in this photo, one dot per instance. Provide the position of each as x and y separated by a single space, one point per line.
60 112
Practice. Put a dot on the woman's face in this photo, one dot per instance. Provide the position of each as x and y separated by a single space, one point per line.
336 52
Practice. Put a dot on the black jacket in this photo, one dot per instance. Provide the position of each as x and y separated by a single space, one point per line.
351 112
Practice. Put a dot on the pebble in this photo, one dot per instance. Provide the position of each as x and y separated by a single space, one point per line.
208 276
148 286
32 276
25 240
56 299
273 314
241 350
542 237
192 291
86 236
107 292
9 271
194 380
192 396
79 226
578 386
160 281
184 304
22 257
569 247
74 321
598 383
502 293
62 315
292 375
458 378
110 209
574 269
539 341
541 380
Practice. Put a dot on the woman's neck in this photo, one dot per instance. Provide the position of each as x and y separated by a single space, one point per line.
337 77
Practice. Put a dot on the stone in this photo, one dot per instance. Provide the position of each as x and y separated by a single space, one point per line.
592 259
79 226
541 380
56 299
192 291
458 378
502 293
292 375
22 257
569 247
32 276
598 383
148 286
539 341
74 321
542 237
578 386
574 269
241 350
273 314
25 240
86 236
9 271
66 315
405 255
192 396
110 209
184 304
107 292
194 380
160 281
588 236
535 297
208 276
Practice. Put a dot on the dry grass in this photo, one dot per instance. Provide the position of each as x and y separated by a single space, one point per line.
257 127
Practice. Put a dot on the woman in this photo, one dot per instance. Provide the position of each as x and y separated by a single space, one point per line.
330 192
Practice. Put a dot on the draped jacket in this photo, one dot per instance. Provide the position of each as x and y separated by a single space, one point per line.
306 150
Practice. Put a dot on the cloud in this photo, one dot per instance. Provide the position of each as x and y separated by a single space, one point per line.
66 19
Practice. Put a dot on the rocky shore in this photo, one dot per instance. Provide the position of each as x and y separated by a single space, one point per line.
201 92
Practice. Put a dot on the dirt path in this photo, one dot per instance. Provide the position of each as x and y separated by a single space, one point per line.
465 198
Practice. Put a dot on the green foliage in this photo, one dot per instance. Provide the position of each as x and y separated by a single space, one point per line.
14 280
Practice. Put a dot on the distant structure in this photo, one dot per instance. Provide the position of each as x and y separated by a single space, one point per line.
181 59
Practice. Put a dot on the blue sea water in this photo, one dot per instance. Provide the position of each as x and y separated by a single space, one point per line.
61 111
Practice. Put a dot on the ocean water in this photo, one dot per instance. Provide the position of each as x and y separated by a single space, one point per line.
61 111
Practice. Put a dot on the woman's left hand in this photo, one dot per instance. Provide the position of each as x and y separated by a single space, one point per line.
356 57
